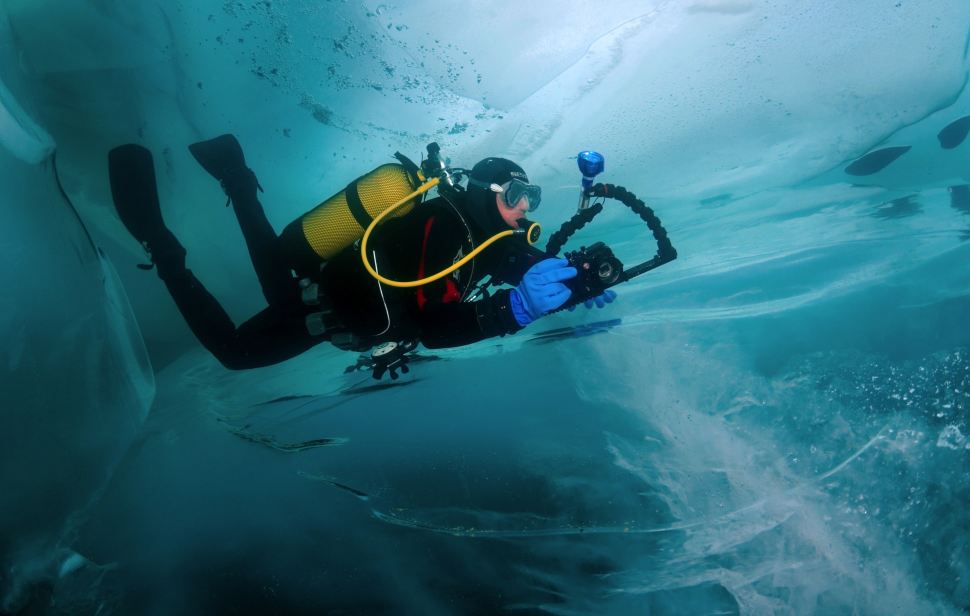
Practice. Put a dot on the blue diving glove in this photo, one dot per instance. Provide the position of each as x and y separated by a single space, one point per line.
541 290
600 300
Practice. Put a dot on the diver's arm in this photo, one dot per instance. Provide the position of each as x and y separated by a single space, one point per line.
542 291
517 258
454 324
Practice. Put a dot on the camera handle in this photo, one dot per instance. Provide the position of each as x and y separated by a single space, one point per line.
665 250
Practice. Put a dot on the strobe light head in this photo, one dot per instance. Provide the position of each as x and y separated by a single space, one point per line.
591 164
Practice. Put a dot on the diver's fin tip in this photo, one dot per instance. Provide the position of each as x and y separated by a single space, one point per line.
128 154
131 175
219 155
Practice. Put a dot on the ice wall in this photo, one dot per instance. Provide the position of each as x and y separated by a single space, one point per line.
76 381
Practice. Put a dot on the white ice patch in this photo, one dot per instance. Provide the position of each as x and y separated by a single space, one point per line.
19 134
952 438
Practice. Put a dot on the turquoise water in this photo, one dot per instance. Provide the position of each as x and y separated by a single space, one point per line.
774 423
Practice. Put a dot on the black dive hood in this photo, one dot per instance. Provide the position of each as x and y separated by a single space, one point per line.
480 202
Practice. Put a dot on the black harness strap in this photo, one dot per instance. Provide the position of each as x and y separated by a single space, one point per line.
356 207
353 197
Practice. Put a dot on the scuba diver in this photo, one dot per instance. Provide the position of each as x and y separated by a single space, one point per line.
319 287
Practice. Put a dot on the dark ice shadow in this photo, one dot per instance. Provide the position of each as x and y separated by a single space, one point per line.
876 161
578 331
960 201
960 198
898 208
954 133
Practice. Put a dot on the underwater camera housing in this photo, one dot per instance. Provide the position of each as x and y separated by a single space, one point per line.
597 270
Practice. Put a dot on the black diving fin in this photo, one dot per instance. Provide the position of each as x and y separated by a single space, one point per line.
221 157
131 171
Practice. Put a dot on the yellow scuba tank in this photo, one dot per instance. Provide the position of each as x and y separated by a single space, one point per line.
341 220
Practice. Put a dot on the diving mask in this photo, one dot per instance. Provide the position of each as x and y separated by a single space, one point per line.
512 191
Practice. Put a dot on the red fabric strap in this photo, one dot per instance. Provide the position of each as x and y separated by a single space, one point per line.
422 300
451 293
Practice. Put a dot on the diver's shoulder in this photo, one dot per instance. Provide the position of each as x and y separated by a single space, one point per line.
439 205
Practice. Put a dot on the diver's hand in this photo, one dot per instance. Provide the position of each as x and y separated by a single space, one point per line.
541 290
600 300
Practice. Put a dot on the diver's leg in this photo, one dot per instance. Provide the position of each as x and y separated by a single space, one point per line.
223 158
131 171
203 314
274 335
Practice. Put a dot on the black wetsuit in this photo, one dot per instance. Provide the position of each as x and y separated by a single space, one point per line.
428 239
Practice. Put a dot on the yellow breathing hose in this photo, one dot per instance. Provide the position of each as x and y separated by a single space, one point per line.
417 283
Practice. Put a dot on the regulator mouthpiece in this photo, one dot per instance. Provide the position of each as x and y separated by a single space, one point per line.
530 230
